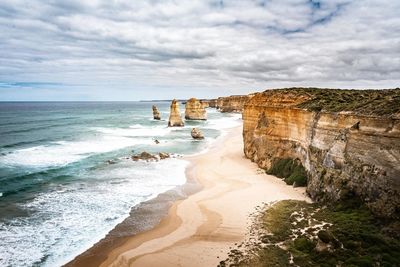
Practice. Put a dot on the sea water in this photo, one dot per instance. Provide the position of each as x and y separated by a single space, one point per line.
59 194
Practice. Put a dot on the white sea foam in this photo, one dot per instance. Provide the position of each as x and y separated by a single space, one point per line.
230 121
221 124
137 126
136 131
62 152
69 219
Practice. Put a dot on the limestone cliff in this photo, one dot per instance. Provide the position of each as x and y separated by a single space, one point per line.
175 119
347 140
234 103
212 103
195 110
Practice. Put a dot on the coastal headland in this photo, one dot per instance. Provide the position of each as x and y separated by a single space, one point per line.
335 147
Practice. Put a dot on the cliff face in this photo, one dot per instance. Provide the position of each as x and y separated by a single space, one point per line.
212 103
233 103
195 110
175 119
345 153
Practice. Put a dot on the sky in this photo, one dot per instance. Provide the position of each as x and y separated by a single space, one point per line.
163 49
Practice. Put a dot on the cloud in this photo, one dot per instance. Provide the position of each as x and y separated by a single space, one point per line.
233 46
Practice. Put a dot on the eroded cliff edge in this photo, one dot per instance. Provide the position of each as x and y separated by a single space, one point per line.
347 140
233 103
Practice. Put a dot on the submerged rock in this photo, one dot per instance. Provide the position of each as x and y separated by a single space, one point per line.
175 119
195 110
156 113
197 134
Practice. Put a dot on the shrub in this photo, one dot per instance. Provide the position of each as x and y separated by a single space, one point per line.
291 170
304 244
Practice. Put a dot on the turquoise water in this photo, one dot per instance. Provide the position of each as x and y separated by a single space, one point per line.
58 194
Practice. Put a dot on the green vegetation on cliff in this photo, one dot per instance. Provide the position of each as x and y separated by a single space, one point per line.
296 233
368 102
292 171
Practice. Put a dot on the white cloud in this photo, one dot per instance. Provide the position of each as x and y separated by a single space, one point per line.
237 45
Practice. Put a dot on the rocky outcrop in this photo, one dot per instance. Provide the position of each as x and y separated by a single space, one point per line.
156 113
163 155
212 103
204 104
175 119
145 156
233 103
348 141
209 103
197 134
195 110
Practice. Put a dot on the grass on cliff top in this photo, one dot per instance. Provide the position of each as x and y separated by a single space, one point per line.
296 233
292 171
368 102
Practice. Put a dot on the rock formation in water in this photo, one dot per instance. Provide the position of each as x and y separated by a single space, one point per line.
212 103
156 113
234 103
209 103
347 140
197 134
204 103
144 156
175 119
195 110
150 157
163 155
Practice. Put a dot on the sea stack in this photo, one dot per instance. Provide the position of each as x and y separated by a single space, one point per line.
197 134
195 110
175 119
156 113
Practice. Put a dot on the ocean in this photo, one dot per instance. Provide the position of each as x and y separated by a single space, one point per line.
59 194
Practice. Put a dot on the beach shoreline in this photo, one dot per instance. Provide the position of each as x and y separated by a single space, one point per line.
145 216
142 218
201 229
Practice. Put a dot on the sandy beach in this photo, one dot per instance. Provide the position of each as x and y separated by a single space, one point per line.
200 230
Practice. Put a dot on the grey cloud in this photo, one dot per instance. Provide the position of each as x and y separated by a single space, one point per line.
236 44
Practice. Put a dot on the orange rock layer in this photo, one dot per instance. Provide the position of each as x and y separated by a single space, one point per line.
233 103
195 109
